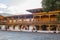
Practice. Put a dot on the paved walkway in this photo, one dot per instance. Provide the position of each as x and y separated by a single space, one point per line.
4 35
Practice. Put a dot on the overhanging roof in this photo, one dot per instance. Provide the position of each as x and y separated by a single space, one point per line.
35 10
21 16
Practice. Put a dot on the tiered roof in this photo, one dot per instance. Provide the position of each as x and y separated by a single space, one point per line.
21 16
35 10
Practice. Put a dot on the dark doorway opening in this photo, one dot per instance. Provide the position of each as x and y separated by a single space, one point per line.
53 27
37 27
44 27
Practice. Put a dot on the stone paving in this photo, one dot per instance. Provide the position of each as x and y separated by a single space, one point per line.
4 35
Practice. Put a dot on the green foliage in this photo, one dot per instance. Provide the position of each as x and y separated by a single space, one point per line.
50 5
58 4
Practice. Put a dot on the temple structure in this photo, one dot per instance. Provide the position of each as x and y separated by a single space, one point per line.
37 21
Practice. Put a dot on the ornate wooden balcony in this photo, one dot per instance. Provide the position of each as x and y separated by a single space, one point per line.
2 23
37 22
30 22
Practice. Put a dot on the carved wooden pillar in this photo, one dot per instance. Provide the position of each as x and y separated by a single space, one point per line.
33 18
25 18
12 22
40 27
49 18
49 28
40 18
57 28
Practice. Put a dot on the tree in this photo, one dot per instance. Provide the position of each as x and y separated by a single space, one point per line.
48 5
58 4
51 5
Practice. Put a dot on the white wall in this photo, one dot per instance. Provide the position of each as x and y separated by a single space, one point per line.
30 28
17 28
11 28
3 27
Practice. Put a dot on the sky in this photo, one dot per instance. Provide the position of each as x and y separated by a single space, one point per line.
17 7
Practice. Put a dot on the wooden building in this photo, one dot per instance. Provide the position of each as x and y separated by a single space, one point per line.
38 21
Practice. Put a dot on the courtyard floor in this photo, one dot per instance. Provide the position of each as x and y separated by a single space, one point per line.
5 35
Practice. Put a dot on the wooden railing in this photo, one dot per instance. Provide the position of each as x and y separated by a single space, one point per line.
38 22
32 22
